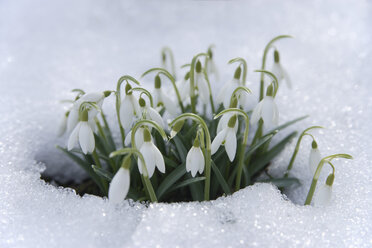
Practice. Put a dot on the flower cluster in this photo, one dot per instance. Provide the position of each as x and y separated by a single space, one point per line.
186 144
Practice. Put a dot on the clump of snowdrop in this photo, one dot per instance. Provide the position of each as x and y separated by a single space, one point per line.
176 145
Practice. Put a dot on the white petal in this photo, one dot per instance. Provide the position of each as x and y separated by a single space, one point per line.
314 160
192 161
157 97
275 113
62 126
256 115
223 121
267 111
126 113
184 88
92 97
74 137
199 157
138 138
155 116
221 94
230 144
128 138
135 105
119 186
203 88
169 105
228 93
86 138
72 120
159 160
323 195
220 137
287 79
149 157
277 71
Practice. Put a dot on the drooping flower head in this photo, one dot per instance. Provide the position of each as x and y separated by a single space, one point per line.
119 185
201 83
227 90
314 158
266 110
82 134
324 193
195 159
210 66
151 154
278 70
162 99
183 86
227 137
129 108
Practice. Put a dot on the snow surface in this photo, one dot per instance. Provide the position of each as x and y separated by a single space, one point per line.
46 49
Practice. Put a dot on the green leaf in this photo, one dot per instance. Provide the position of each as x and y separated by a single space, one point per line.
84 164
282 182
220 179
186 183
170 162
278 128
258 144
170 179
180 148
261 162
102 172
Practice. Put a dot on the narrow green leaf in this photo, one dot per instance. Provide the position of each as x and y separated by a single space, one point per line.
258 144
102 172
287 124
282 182
186 183
220 179
260 162
170 179
180 148
170 162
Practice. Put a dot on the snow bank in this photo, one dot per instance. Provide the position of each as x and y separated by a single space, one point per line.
47 49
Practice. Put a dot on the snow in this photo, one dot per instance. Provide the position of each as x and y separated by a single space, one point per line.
47 49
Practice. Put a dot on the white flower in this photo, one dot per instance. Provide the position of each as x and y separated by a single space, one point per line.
119 186
224 121
323 195
83 134
202 86
195 160
73 117
138 138
212 69
184 87
63 125
151 114
129 108
152 156
160 98
226 91
227 137
278 70
314 158
267 110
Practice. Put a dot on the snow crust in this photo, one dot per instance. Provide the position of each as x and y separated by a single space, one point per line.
47 49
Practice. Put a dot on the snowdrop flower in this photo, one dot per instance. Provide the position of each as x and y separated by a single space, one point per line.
314 158
129 108
161 99
150 113
96 97
278 70
83 135
184 87
63 124
211 66
151 154
227 137
138 138
195 159
119 185
324 193
266 110
226 117
201 83
227 90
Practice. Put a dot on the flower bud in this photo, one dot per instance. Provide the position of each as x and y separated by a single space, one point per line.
142 102
127 89
198 66
176 128
157 82
276 56
238 73
270 90
330 179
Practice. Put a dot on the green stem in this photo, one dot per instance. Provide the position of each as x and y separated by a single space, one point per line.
290 165
208 156
267 48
